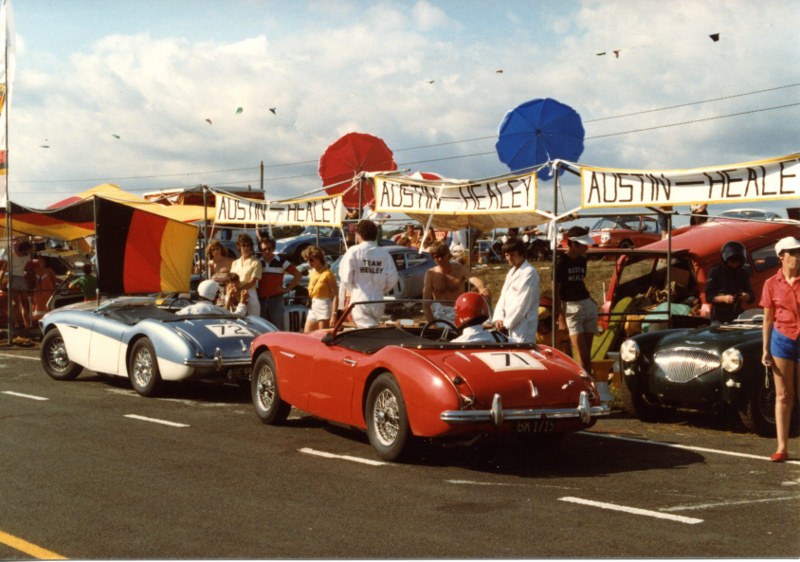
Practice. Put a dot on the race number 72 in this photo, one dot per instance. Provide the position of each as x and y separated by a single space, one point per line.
229 330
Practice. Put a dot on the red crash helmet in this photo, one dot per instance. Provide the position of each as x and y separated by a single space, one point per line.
471 308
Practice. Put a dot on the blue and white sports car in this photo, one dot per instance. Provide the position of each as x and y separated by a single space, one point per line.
143 339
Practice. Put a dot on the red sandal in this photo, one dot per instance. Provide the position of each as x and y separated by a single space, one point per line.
779 457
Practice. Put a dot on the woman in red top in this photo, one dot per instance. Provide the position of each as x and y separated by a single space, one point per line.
780 298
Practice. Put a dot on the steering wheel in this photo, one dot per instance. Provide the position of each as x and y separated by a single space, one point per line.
447 324
178 303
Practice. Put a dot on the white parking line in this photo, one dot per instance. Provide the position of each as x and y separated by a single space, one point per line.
725 504
155 420
19 356
684 447
633 510
31 396
323 454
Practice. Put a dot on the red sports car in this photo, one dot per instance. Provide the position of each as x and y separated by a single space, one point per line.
405 379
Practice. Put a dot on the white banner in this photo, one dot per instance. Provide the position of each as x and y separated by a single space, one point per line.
762 180
326 211
514 194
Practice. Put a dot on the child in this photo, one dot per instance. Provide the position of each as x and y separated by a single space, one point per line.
322 290
234 295
87 283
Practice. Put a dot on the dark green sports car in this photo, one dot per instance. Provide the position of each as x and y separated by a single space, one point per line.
711 368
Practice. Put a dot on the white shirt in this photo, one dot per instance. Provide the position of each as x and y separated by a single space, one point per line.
367 272
518 305
208 307
474 334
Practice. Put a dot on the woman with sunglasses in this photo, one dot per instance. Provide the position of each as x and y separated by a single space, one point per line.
218 262
322 290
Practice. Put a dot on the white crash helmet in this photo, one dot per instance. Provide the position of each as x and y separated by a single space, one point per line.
208 289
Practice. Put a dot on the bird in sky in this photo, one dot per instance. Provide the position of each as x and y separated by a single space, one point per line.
274 110
208 121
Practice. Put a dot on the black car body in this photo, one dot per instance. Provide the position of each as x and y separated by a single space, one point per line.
710 368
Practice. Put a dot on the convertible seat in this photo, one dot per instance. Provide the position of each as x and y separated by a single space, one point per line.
370 340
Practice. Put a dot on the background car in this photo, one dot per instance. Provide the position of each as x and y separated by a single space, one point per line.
144 340
411 268
711 368
749 214
625 231
693 253
405 380
328 238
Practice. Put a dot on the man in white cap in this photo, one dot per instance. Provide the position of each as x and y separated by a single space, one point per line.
577 312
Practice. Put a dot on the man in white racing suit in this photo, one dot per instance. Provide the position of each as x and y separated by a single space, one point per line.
367 272
207 292
517 310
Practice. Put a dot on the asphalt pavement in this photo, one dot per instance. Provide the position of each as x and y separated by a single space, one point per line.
92 470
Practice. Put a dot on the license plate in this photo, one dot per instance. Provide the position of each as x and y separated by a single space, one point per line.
238 373
536 426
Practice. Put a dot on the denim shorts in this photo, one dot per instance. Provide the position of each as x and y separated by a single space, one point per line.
784 347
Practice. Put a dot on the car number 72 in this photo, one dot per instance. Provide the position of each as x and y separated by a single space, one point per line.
230 330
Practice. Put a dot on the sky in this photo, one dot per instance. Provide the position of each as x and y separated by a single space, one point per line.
145 95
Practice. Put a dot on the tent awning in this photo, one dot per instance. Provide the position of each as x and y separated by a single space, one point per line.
73 218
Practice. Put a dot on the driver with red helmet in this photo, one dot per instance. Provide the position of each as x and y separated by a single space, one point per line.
472 311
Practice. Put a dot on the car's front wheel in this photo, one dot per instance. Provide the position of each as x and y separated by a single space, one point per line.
143 369
55 360
387 419
634 402
264 391
758 414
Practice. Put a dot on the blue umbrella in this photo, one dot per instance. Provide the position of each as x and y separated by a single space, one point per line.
539 131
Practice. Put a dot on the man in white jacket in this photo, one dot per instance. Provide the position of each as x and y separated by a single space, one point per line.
517 309
367 271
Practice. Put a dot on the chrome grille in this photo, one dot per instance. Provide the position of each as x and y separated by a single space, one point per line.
683 364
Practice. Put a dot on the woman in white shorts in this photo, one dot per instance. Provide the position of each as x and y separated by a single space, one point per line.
322 290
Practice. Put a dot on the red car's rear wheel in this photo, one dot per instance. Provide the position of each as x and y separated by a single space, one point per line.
387 420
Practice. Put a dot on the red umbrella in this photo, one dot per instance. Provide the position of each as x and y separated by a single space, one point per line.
347 157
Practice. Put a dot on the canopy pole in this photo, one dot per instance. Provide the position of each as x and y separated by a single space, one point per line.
204 243
9 253
9 220
669 270
554 243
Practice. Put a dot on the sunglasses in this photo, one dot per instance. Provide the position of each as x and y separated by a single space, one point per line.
793 252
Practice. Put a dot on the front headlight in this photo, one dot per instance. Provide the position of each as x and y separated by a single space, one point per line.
629 351
732 360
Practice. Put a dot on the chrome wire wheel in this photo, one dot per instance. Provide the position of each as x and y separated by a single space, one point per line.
266 396
142 368
386 418
265 386
56 354
55 359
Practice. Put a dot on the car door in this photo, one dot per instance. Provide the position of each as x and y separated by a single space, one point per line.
105 345
331 381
